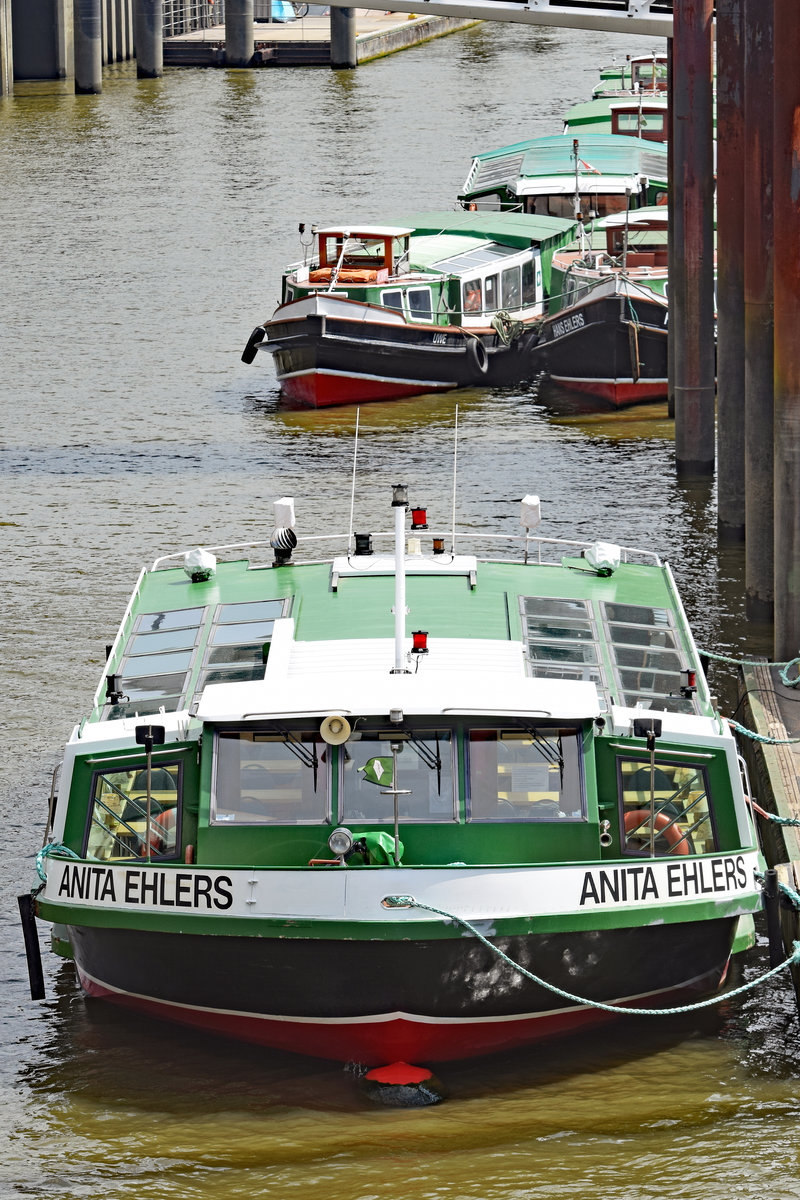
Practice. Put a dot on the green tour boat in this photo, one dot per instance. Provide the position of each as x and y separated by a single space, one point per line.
397 801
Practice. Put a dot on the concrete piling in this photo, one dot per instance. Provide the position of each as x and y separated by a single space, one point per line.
239 33
692 292
148 39
343 38
88 34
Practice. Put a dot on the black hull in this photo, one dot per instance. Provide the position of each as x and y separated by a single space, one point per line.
330 360
436 999
596 348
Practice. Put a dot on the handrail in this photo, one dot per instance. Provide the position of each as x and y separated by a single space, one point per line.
525 539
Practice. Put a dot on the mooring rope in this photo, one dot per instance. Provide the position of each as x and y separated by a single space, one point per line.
46 851
744 662
768 816
760 737
621 1009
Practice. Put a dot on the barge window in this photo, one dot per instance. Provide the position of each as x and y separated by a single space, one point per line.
683 823
276 778
525 775
491 294
512 288
117 826
392 300
424 769
420 303
472 295
530 277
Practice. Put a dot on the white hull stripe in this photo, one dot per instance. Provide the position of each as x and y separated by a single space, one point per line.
626 379
482 895
428 383
381 1018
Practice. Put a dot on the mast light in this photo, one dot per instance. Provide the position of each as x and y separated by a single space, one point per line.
419 642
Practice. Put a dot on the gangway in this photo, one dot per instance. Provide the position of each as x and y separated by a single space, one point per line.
645 17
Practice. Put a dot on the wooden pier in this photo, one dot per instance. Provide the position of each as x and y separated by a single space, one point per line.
306 42
772 710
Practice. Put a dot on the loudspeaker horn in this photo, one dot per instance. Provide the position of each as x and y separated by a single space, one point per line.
335 730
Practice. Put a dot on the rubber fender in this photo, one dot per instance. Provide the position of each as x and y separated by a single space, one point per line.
253 342
477 356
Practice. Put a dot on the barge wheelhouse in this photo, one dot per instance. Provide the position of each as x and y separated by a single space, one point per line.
282 803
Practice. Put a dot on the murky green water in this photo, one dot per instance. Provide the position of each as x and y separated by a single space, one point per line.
143 234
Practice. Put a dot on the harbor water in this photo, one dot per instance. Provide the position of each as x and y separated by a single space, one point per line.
144 233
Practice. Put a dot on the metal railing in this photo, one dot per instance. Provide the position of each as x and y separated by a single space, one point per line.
186 16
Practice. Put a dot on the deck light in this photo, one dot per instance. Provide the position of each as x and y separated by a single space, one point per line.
419 642
200 565
689 688
419 519
396 716
438 545
340 841
363 543
399 495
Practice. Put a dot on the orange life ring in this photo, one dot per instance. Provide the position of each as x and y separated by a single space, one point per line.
162 832
664 827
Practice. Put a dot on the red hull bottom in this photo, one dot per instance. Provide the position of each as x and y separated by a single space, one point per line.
380 1040
322 389
619 392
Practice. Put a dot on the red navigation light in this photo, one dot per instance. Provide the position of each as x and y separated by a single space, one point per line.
419 642
419 518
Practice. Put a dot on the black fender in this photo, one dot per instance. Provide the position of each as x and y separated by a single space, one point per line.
253 342
477 356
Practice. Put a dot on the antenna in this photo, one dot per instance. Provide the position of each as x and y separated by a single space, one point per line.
455 470
353 487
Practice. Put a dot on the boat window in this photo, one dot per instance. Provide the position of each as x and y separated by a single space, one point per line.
529 281
420 303
472 293
646 656
491 294
238 642
156 660
278 778
424 772
512 287
648 125
561 640
392 300
682 809
524 775
117 827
